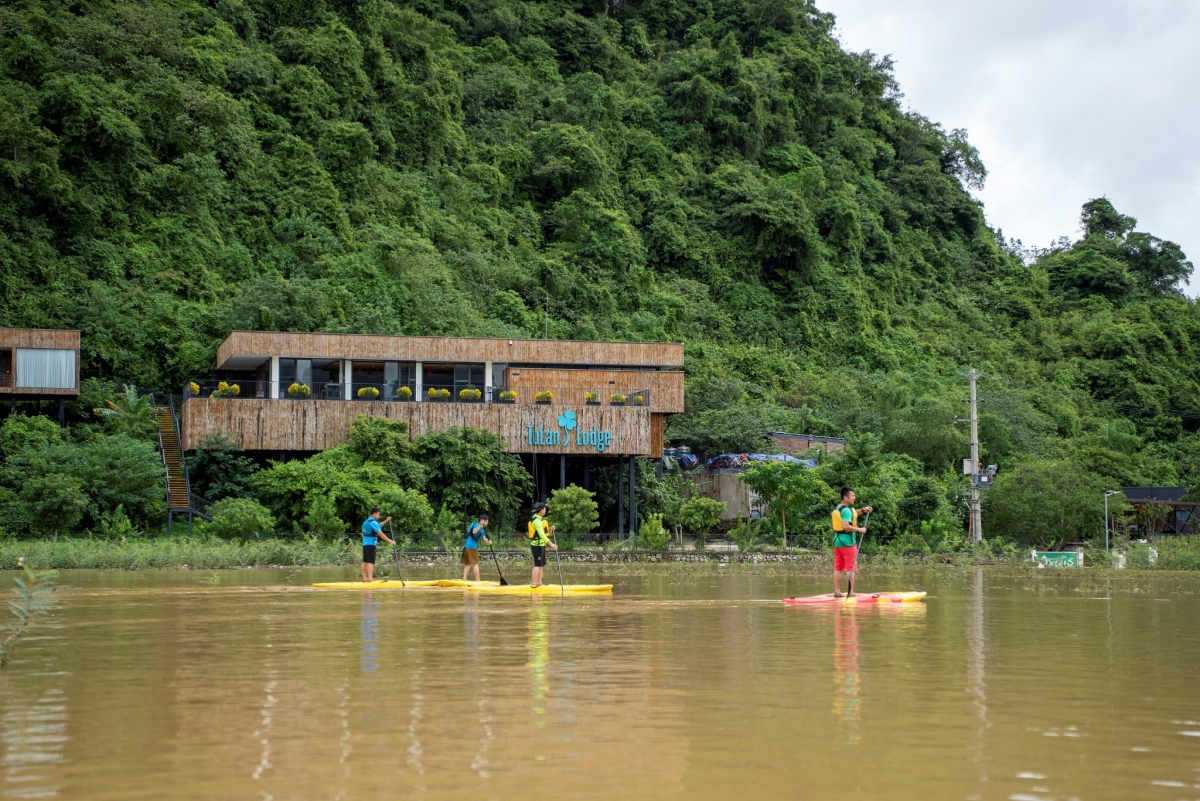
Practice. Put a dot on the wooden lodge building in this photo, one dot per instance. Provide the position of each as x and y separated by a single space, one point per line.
38 364
560 404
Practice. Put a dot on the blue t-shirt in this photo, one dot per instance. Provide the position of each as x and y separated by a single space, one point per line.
371 530
475 533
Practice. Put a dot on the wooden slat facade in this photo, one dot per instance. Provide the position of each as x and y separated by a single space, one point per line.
52 338
571 386
449 349
313 425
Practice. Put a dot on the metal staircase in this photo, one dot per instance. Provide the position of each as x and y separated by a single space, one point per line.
178 486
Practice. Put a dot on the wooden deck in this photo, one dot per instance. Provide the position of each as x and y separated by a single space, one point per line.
314 425
51 338
449 349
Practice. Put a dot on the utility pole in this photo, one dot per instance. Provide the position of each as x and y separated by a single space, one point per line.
976 511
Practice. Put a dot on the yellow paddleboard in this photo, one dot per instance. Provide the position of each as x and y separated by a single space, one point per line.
386 584
466 585
547 589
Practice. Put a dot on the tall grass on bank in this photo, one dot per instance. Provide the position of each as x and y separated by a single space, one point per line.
1174 553
195 552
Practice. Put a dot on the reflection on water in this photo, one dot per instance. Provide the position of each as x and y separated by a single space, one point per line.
34 735
539 656
1002 685
845 671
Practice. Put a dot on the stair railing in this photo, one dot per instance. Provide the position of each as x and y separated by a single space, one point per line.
162 451
187 478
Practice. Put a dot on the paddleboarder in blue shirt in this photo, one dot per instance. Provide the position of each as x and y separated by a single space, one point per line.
372 531
476 534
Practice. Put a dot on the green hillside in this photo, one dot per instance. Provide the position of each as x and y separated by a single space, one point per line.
719 173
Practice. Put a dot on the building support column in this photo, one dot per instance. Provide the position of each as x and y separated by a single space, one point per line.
587 473
273 377
620 497
632 497
562 471
62 413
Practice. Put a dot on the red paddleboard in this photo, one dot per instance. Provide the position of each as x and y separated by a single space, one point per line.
861 598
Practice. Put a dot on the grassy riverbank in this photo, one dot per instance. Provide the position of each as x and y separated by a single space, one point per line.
1181 553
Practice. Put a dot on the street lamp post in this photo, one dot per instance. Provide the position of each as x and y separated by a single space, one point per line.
1107 493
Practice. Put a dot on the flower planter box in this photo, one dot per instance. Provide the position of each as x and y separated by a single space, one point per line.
543 403
505 400
617 403
592 403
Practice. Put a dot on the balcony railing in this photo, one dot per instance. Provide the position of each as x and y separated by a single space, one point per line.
408 393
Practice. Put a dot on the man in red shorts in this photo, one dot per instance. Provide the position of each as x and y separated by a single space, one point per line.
845 542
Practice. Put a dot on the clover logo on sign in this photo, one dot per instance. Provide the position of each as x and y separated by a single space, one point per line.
567 420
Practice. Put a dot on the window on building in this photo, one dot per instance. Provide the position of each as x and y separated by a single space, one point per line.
45 368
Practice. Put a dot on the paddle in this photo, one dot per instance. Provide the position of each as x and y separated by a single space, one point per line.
503 582
854 567
562 587
396 552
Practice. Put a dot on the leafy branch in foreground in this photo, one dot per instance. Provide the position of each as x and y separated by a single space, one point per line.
33 593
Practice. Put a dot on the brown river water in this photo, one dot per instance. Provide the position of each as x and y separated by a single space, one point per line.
1003 684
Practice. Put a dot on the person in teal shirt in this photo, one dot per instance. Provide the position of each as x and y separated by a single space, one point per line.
845 542
476 534
371 533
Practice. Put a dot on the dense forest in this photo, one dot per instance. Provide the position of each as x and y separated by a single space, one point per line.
713 172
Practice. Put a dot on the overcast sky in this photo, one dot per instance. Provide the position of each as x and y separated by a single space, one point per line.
1066 100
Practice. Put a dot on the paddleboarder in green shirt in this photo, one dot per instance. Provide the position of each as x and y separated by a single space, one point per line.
539 539
845 542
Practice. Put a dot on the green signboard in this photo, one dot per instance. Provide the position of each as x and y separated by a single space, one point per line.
1058 558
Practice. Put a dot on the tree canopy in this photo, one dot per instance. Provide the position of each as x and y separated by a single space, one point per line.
722 174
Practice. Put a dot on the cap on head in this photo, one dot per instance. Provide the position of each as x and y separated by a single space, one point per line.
539 506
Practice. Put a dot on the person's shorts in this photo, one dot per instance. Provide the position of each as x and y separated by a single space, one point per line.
843 558
539 555
470 556
369 554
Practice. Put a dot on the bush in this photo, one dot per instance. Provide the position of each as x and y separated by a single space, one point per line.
410 510
238 518
322 520
700 516
573 510
56 503
1178 553
745 535
219 468
652 535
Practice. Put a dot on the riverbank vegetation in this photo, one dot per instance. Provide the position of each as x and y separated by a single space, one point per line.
723 175
210 553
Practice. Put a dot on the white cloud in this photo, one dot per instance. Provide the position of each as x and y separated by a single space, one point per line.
1066 101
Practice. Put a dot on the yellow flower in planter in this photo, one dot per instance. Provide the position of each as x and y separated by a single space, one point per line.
368 392
404 393
235 389
194 388
591 397
616 397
